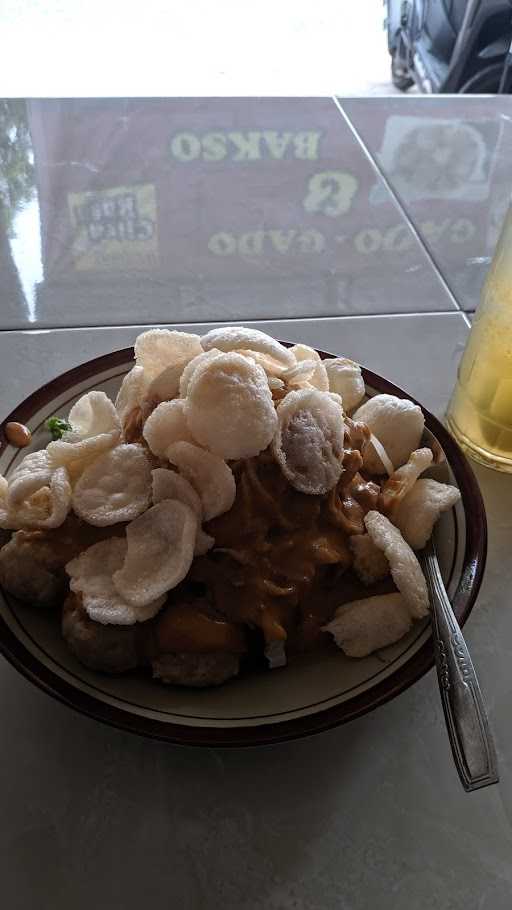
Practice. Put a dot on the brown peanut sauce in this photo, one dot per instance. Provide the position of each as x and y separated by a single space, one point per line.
133 426
280 564
281 557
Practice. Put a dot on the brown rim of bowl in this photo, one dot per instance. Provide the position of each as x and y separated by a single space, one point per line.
422 661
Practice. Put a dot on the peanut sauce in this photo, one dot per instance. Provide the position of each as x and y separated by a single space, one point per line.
279 554
279 565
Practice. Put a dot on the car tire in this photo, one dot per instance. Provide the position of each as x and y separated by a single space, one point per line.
484 82
399 78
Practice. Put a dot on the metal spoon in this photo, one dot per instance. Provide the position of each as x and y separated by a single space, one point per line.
468 729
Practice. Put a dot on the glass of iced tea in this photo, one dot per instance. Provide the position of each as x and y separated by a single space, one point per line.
480 411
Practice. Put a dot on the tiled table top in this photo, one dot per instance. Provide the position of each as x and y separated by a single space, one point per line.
447 160
201 210
232 220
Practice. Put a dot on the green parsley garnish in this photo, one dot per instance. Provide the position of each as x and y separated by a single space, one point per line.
57 426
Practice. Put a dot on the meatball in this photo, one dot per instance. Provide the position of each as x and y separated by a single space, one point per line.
32 570
111 649
186 668
32 562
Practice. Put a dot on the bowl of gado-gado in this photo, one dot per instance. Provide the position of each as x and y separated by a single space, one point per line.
215 539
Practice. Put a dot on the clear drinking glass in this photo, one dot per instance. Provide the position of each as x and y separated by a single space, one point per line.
480 411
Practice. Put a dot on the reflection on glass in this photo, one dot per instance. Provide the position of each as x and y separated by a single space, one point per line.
19 228
16 160
184 211
114 228
26 251
448 160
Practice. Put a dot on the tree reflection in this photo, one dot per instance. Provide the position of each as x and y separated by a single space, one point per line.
17 186
16 161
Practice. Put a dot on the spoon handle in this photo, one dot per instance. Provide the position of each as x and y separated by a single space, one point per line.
468 729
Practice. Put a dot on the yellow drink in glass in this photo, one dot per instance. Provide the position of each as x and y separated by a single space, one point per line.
480 411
